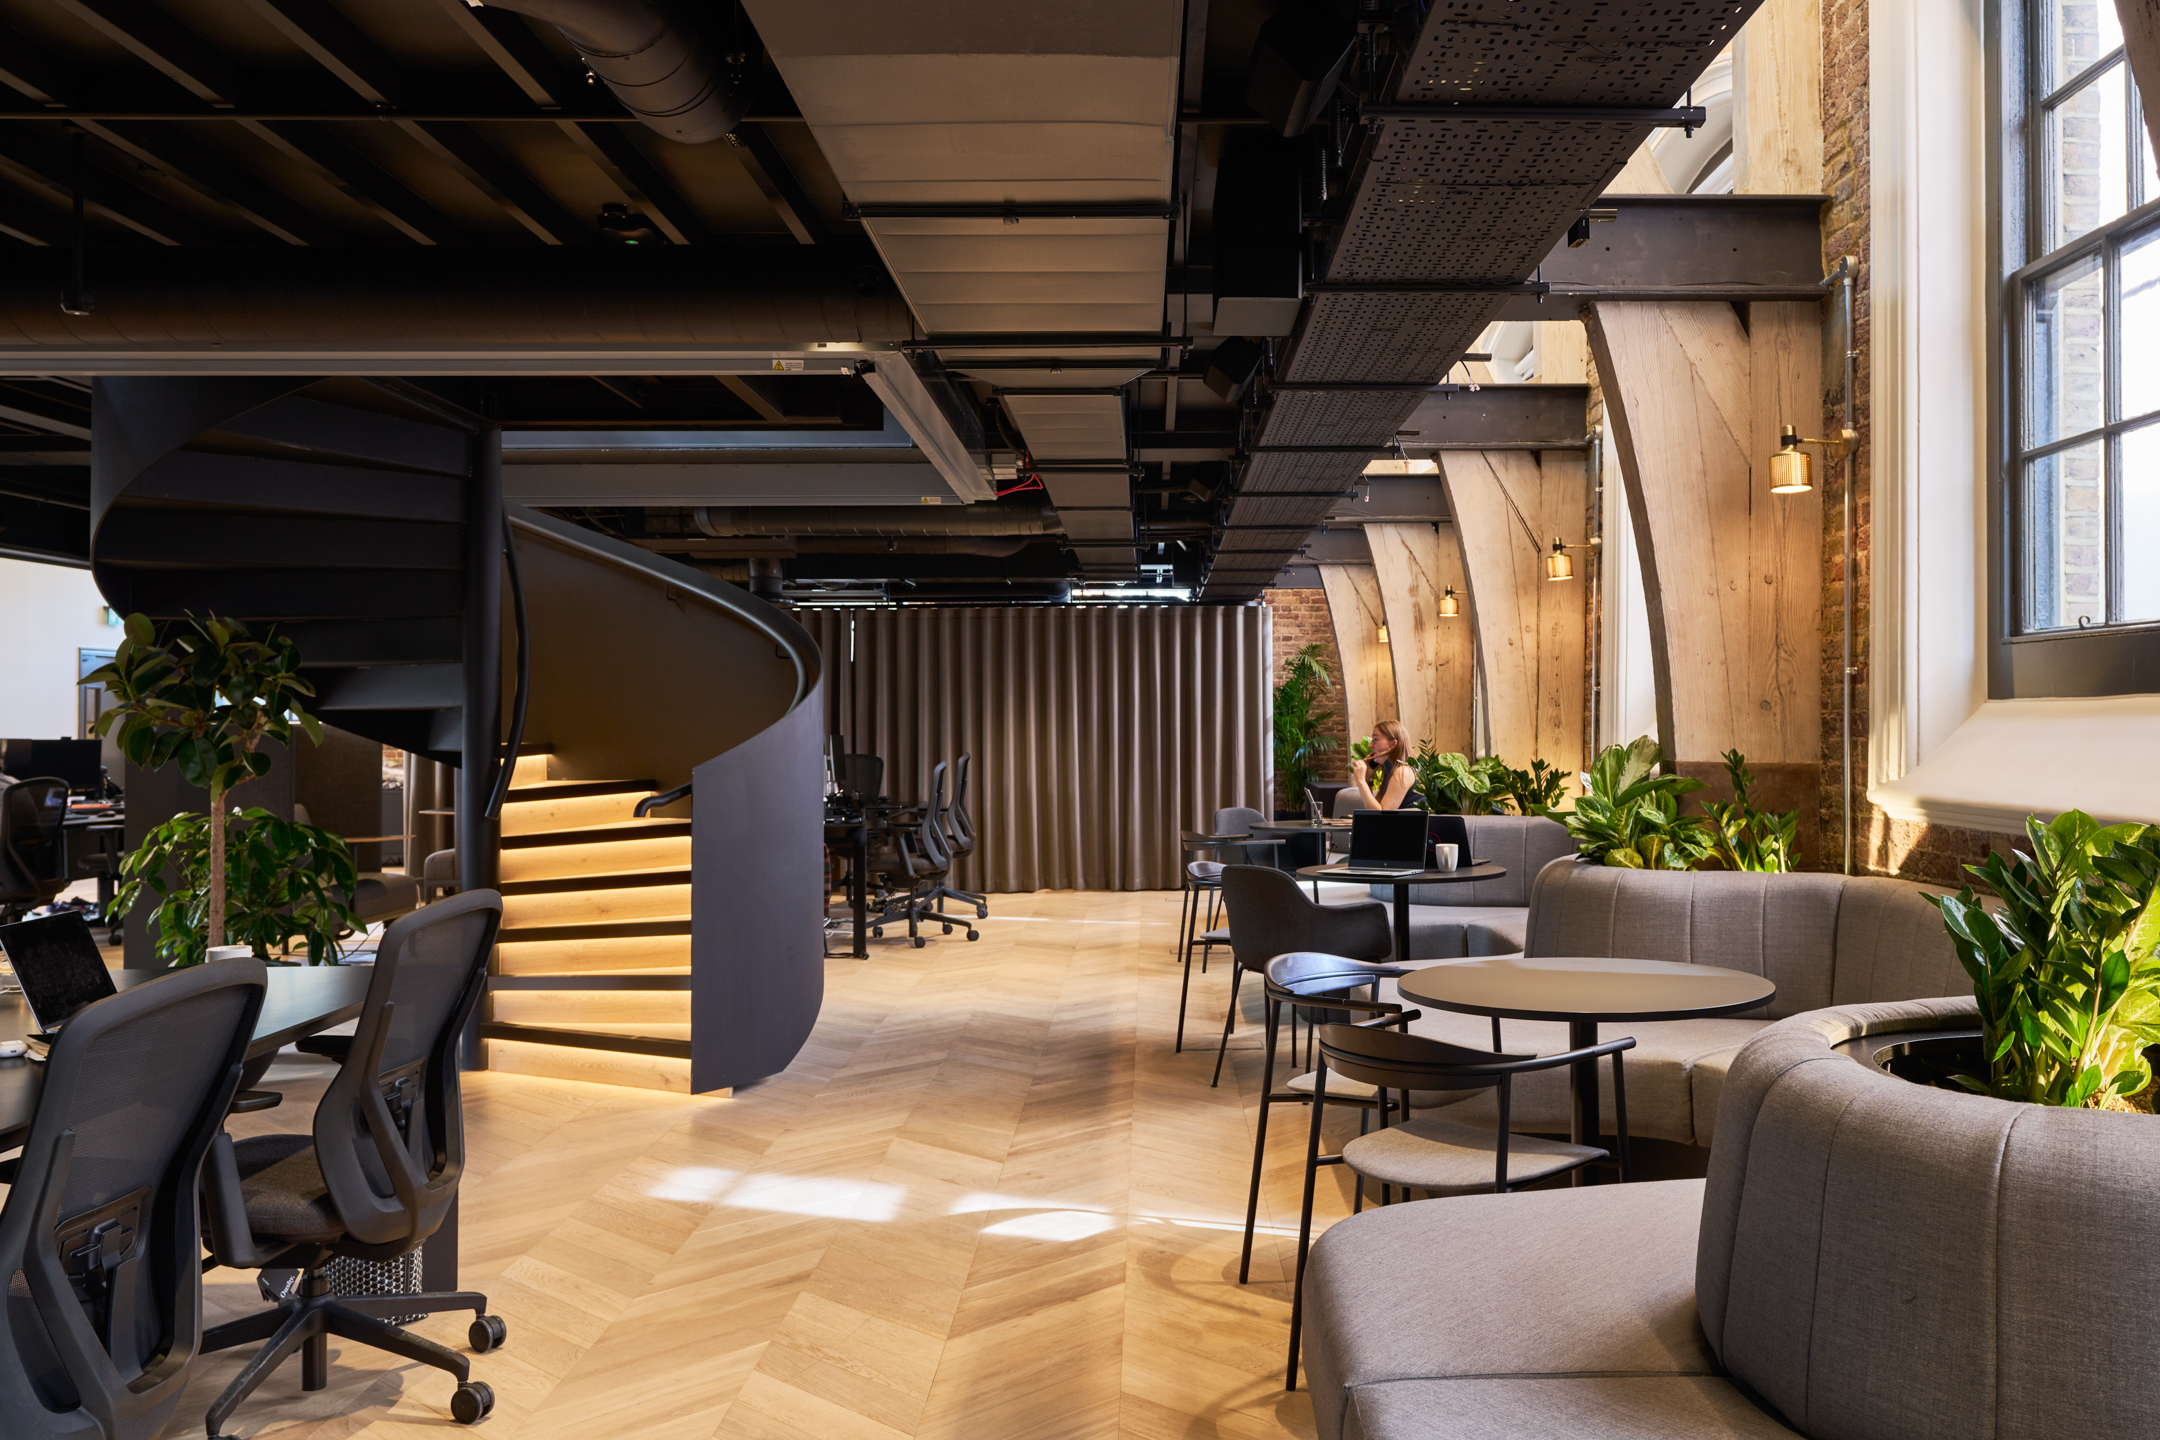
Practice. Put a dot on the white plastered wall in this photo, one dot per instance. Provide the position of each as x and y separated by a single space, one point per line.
47 613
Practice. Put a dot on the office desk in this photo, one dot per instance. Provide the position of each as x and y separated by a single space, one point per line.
301 1001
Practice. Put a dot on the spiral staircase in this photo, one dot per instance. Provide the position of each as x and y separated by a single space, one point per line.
679 950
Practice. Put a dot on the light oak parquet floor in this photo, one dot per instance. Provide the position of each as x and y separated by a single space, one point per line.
987 1202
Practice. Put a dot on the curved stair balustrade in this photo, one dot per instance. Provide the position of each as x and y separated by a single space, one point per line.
364 517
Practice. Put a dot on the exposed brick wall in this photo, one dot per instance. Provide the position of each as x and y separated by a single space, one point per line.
1301 617
1881 845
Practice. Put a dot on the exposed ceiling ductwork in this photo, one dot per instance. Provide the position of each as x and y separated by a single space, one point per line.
555 296
871 520
663 70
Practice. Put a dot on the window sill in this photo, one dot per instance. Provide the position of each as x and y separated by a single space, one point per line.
2015 758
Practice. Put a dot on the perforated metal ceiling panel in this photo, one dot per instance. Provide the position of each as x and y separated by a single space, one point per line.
1448 200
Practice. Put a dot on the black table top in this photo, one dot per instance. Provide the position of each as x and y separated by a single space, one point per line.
1516 987
1482 870
1302 827
301 1001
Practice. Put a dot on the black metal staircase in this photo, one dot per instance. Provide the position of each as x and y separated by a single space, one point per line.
364 518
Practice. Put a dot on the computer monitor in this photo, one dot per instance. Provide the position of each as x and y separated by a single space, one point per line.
79 762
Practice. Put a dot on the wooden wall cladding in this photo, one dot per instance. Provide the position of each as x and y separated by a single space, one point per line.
1368 678
1531 631
1433 657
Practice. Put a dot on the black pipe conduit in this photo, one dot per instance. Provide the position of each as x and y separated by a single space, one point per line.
506 763
662 70
551 295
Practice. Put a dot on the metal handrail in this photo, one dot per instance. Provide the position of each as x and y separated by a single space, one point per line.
666 797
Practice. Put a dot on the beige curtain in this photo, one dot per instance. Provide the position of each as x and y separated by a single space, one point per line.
1098 732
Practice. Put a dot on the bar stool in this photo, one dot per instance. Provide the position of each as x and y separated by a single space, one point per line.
1202 885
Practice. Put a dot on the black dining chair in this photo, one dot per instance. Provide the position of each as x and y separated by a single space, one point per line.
101 1235
1269 916
1294 982
1439 1157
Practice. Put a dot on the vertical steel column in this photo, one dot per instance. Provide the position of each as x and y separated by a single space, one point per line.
478 835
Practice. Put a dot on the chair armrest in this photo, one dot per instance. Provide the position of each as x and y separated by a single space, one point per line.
225 1221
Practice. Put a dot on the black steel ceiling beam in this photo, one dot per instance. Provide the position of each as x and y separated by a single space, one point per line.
33 529
35 71
1078 340
215 177
1146 210
509 41
161 42
37 161
1685 117
1426 287
367 183
34 405
502 180
769 171
336 44
19 221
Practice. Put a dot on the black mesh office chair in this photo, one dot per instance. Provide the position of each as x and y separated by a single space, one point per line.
100 1233
33 868
959 829
910 867
376 1178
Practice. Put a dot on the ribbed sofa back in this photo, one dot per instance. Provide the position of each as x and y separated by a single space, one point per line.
1881 1260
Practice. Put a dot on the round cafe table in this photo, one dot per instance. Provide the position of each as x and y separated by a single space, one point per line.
1584 992
1484 870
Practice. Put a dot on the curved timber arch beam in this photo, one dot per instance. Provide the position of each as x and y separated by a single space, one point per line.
1732 575
1433 656
1530 630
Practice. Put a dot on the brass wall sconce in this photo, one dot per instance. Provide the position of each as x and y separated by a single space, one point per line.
1559 565
1450 607
1792 469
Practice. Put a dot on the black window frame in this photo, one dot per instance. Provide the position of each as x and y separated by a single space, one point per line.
2108 658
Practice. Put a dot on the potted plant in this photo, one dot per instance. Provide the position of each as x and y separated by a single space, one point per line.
1629 813
206 698
2065 969
1299 737
1454 784
1745 836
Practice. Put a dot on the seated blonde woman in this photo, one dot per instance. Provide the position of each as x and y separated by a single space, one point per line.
1385 781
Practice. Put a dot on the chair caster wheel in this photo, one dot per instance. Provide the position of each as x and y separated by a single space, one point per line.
877 934
974 935
948 929
472 1402
982 912
487 1333
920 942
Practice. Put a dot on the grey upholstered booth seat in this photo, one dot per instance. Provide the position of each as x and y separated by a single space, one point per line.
1868 1259
1822 939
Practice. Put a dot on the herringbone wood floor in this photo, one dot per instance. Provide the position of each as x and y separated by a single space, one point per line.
987 1202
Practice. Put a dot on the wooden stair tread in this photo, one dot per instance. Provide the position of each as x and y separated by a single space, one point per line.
598 929
648 829
574 790
607 880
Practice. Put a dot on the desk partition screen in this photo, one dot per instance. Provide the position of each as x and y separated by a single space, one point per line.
1098 731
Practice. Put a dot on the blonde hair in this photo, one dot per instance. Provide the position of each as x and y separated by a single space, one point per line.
1398 739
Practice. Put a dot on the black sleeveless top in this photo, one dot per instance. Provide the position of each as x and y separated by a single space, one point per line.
1383 775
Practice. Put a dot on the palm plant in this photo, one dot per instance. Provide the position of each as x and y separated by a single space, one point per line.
2067 969
1299 728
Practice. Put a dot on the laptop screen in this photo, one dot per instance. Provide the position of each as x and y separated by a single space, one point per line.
1387 839
58 966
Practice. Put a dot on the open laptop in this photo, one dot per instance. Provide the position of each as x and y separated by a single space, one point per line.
1384 845
57 965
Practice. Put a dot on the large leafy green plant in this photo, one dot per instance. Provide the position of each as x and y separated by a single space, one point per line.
1629 814
1299 728
205 697
2067 970
285 881
1746 836
1535 790
1454 784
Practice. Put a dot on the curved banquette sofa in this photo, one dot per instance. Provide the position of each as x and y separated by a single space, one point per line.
1868 1259
1824 940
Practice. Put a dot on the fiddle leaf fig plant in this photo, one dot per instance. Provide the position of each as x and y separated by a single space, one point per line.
1629 813
1746 836
206 697
2067 968
285 881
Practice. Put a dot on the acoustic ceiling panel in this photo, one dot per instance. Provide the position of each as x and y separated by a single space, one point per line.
1463 201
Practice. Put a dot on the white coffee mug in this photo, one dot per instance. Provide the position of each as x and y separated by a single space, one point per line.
1443 857
230 952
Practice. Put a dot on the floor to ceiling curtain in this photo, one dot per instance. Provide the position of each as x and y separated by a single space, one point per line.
1098 732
